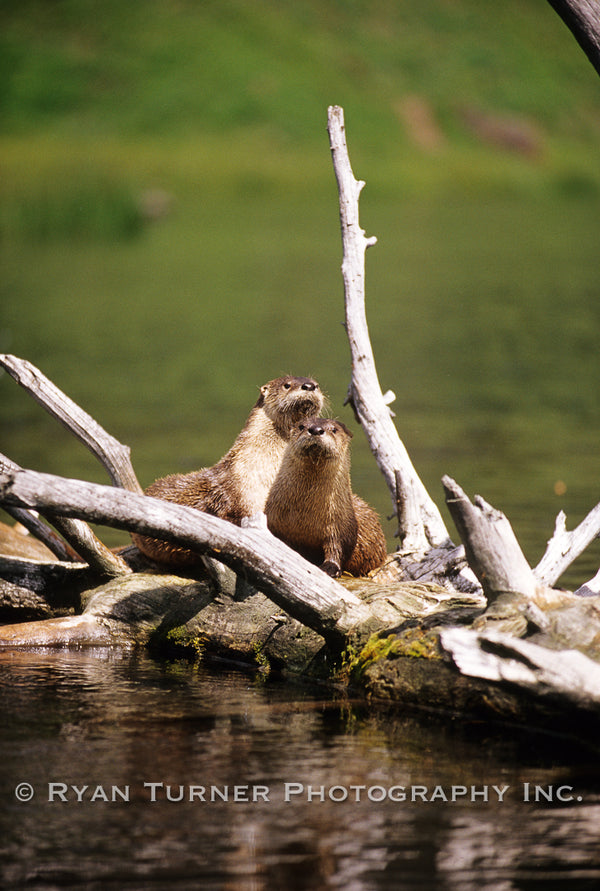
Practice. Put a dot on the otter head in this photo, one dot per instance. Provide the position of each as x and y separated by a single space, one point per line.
287 400
321 438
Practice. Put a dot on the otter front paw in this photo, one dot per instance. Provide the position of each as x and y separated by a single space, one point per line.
331 569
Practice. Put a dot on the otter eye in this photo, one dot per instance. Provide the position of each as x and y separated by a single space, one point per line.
300 426
286 386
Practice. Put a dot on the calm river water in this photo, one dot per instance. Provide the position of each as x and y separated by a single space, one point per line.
118 771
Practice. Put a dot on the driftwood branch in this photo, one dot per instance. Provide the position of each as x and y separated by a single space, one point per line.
31 521
496 558
112 454
564 547
420 522
566 675
582 17
491 548
81 541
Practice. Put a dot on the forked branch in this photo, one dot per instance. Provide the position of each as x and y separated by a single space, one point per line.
564 547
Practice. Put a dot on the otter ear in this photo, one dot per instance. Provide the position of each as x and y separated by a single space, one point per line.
263 392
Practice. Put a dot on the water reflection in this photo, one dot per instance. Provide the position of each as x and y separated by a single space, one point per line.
120 751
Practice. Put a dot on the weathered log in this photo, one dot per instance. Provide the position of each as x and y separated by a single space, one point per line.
494 555
420 522
46 577
175 615
15 541
435 662
404 661
33 585
443 566
298 586
113 455
42 533
20 604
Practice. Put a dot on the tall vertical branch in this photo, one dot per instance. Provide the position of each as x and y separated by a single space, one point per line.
420 525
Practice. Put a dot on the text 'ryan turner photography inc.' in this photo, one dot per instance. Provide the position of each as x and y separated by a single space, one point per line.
155 791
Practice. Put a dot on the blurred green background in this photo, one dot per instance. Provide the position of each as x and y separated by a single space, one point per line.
169 233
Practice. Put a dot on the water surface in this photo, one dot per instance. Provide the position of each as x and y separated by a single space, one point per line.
334 783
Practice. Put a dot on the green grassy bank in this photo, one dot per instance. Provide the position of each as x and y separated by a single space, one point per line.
438 95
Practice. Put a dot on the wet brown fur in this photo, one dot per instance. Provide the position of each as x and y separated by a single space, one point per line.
238 485
311 505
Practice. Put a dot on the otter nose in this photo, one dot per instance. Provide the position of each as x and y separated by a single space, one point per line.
309 385
316 430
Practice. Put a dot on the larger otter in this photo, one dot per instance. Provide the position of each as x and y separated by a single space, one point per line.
238 485
311 505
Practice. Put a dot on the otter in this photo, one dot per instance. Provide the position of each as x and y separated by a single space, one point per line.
238 485
312 508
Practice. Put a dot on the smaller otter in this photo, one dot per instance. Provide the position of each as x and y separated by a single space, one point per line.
312 508
238 485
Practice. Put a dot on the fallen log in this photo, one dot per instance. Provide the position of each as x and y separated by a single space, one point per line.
297 586
111 453
389 639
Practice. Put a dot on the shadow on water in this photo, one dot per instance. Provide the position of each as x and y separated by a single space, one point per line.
120 770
